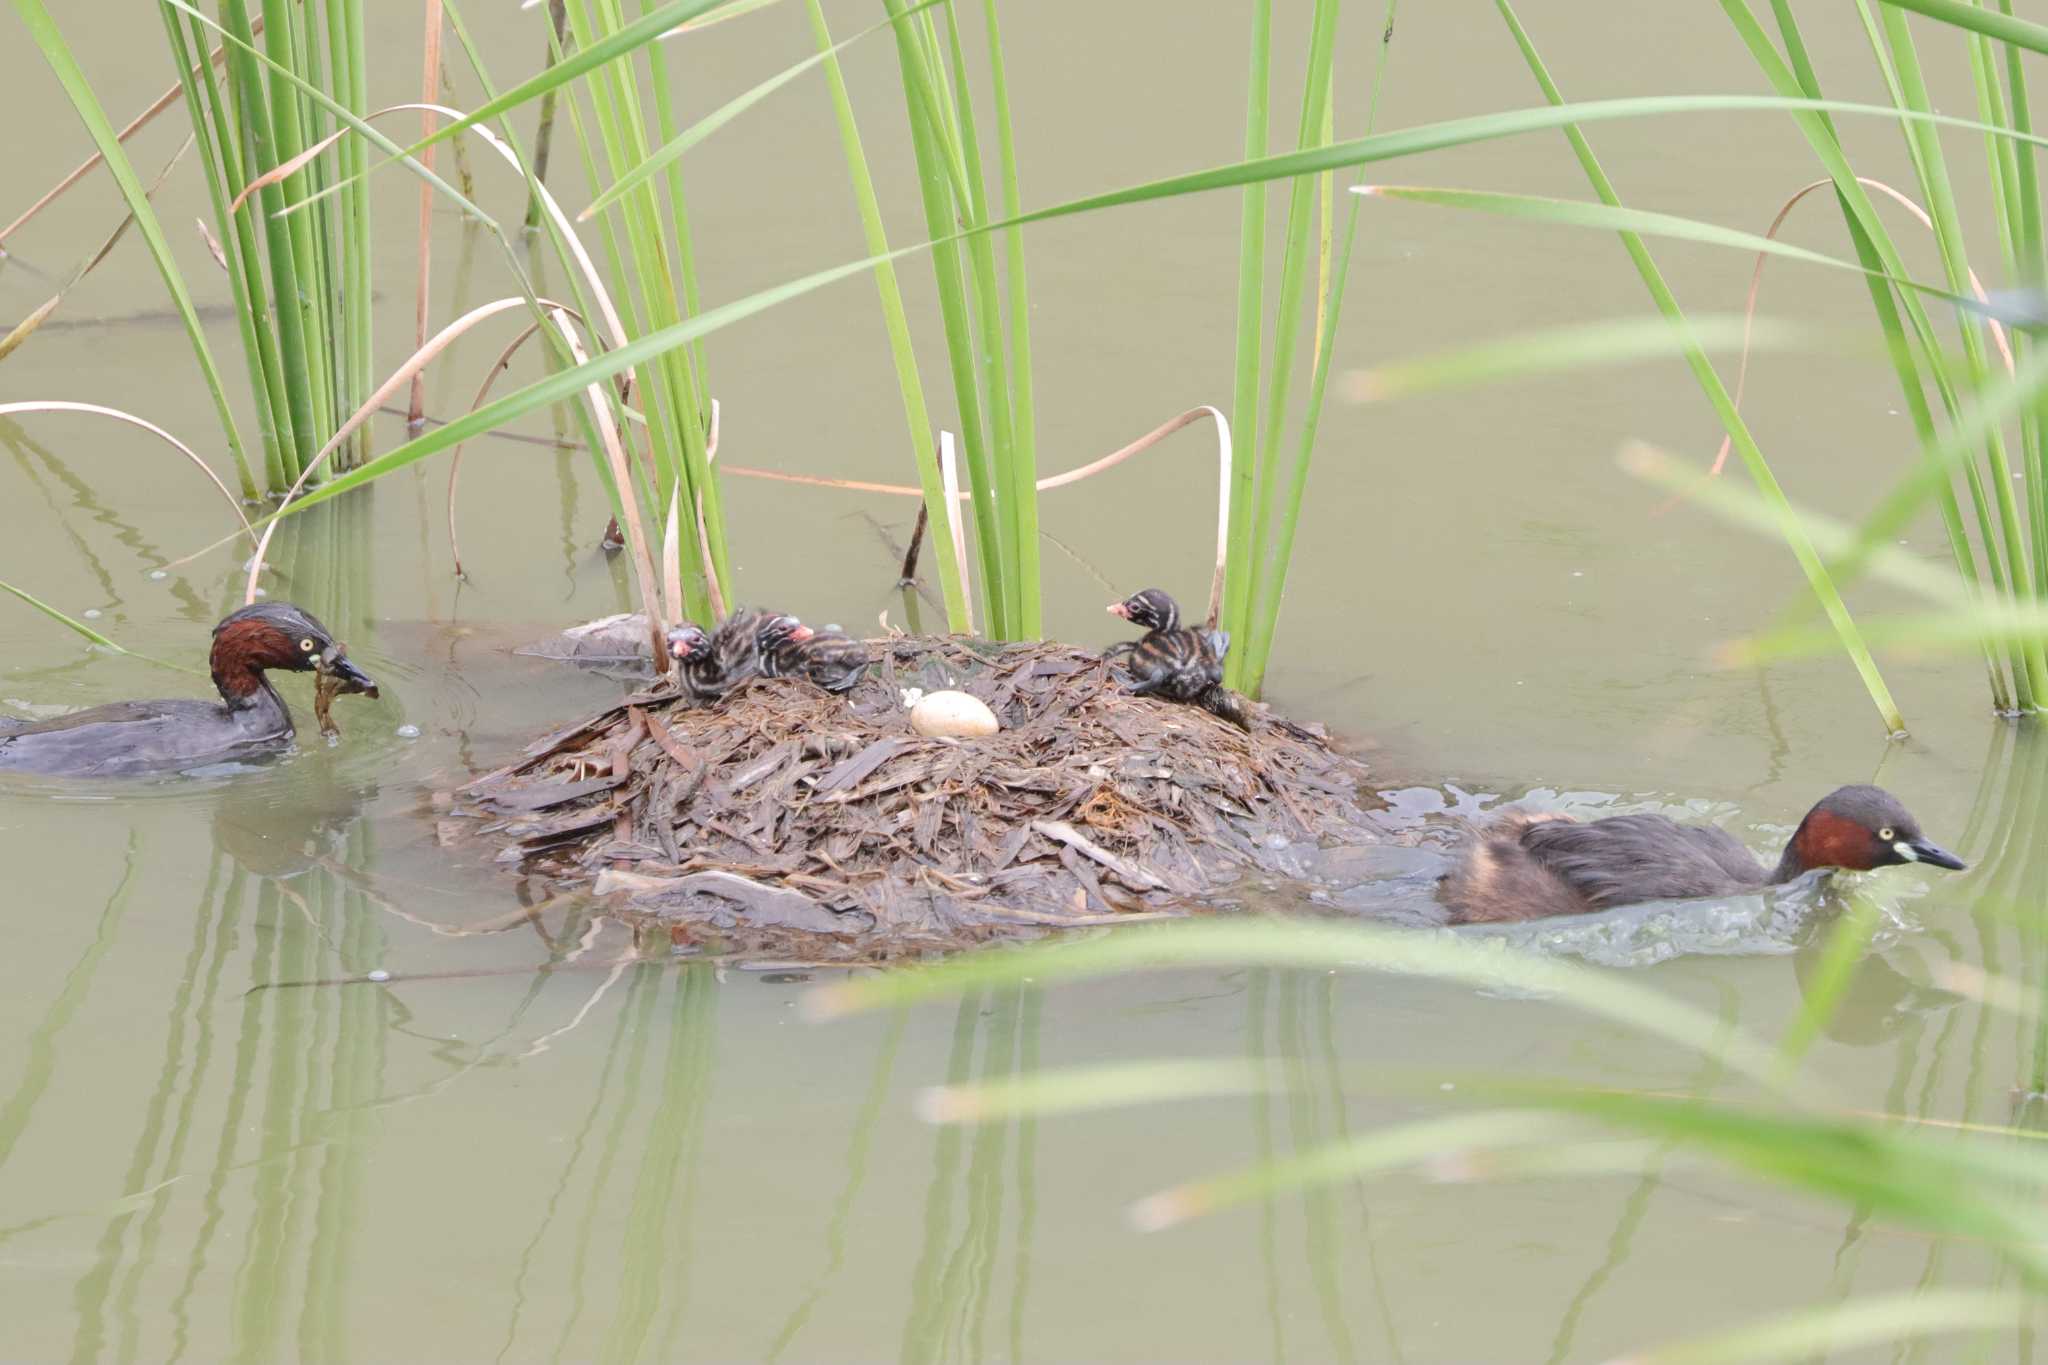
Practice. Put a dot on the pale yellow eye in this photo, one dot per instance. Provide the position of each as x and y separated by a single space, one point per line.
307 644
1885 834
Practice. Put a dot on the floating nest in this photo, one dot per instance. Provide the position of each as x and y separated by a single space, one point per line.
789 820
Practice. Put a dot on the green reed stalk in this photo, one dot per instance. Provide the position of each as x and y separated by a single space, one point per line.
353 88
544 131
258 152
659 291
287 140
237 244
1251 316
1245 668
2031 270
1793 532
2030 666
686 254
941 185
301 283
1023 404
897 323
1867 230
553 348
988 318
690 371
1297 248
57 53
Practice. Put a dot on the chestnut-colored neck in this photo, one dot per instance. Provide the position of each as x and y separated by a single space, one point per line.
1824 839
237 661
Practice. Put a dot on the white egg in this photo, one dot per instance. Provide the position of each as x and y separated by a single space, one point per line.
952 714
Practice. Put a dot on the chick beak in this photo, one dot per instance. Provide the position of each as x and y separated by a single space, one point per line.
1119 609
801 634
1934 855
353 678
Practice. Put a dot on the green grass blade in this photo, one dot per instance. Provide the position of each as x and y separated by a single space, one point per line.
395 153
1874 249
991 348
941 188
896 324
1265 611
1023 405
1790 529
1822 987
2030 668
1751 510
1323 946
1097 1087
568 383
1464 132
1990 23
65 67
1579 346
1962 1186
620 43
1251 315
1297 248
81 628
202 108
1382 1149
1879 1320
725 113
1642 222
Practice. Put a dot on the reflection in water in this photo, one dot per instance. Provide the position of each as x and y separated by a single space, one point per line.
856 1174
41 1051
230 1216
305 1066
1291 1035
954 1283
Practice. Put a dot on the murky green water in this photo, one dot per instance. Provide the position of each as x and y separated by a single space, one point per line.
521 1150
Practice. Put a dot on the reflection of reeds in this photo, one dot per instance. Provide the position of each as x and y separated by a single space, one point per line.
656 1254
954 1284
312 1064
856 1174
631 1042
1281 1010
41 1052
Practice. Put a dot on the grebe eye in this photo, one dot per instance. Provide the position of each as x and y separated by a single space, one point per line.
308 644
1885 834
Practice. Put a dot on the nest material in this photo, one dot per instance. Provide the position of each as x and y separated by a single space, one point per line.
825 826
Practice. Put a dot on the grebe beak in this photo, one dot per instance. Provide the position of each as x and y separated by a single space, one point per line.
1119 609
802 633
1934 855
353 678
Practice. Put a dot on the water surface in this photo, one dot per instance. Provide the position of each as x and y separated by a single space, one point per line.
522 1149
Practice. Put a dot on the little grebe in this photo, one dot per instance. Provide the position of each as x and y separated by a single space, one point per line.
1527 865
829 658
1176 663
715 663
131 737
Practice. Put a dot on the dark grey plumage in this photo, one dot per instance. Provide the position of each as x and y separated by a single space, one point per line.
1168 660
1643 857
829 658
131 737
1526 865
712 665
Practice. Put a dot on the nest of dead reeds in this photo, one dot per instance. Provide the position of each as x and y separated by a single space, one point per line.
789 816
